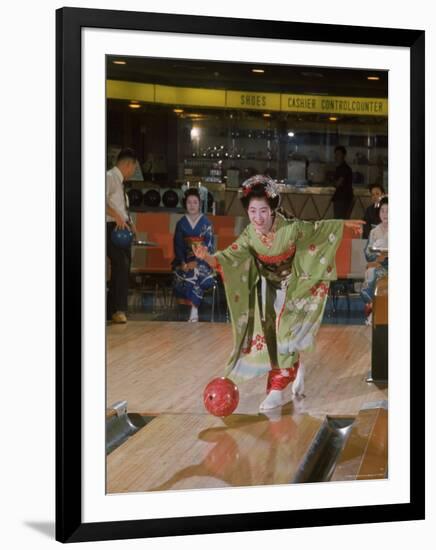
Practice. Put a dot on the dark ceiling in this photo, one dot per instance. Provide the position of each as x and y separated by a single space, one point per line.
239 76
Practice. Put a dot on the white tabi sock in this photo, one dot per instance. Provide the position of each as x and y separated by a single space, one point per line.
194 314
298 384
275 398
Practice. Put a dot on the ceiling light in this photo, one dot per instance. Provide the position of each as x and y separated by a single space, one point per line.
266 115
119 62
134 105
373 77
291 134
333 118
257 71
178 110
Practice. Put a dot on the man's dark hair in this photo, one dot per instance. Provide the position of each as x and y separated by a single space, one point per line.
126 154
376 186
341 148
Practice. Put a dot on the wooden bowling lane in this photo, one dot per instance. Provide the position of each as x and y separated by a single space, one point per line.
161 367
365 455
189 451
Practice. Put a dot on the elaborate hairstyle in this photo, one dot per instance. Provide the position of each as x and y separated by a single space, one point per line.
260 187
191 192
127 154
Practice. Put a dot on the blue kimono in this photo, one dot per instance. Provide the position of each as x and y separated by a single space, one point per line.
190 285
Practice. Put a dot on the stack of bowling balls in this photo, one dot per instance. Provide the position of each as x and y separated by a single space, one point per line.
170 198
152 198
135 197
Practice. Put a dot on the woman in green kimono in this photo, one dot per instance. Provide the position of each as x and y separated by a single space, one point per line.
276 276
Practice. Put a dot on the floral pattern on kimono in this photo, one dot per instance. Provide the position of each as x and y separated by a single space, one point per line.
189 286
276 290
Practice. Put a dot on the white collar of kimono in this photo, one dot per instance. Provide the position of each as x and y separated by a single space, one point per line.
193 225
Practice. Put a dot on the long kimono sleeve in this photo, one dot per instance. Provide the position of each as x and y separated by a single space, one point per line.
240 275
208 239
232 257
179 246
306 295
316 247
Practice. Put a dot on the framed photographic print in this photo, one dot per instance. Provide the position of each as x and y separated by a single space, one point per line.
230 355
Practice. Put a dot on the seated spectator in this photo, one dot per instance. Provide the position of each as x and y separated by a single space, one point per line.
378 259
371 213
192 276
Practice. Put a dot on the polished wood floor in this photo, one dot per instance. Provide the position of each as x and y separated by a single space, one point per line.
365 454
199 451
164 367
161 370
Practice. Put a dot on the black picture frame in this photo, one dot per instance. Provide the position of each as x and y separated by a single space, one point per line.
69 525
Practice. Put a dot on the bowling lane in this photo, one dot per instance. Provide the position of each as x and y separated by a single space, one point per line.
365 455
188 451
164 368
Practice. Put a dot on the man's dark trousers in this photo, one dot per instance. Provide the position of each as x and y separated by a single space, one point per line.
120 259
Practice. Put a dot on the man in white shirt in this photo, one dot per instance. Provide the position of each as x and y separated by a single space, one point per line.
117 216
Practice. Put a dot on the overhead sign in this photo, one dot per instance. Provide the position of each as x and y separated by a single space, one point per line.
252 100
334 105
260 101
199 97
133 91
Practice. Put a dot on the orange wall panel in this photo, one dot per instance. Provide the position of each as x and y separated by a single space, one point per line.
343 258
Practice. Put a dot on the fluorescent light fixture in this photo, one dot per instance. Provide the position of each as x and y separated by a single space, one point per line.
257 71
119 62
373 77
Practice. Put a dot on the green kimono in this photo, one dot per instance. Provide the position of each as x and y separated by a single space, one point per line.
276 292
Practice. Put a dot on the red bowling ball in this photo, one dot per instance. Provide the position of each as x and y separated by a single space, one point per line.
221 397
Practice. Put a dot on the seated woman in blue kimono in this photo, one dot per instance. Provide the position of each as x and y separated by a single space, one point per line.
377 261
192 276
